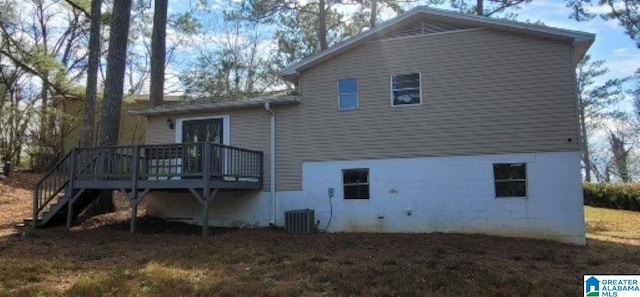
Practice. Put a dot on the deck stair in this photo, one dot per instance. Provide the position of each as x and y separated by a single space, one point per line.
53 193
56 212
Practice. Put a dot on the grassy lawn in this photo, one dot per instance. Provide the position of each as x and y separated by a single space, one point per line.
613 225
101 258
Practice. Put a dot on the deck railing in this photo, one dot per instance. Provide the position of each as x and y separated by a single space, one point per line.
51 184
125 167
169 162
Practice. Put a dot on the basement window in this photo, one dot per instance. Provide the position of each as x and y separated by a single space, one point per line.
356 183
510 179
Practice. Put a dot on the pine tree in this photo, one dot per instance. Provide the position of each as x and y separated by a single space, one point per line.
92 74
158 51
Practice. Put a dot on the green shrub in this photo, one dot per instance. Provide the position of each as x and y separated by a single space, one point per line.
617 196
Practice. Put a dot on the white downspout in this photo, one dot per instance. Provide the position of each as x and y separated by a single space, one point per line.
272 163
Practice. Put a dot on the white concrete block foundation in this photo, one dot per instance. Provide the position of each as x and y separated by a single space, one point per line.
430 194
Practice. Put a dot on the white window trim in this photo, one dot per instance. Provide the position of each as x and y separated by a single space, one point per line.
526 181
357 94
226 127
391 89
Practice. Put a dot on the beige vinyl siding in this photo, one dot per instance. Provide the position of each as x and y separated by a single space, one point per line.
249 130
133 129
159 132
483 92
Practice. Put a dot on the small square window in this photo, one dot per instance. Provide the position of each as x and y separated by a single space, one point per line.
406 89
510 179
356 183
348 94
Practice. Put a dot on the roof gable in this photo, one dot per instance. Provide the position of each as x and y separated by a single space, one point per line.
423 21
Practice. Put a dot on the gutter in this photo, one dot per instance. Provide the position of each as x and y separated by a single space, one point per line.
186 108
272 163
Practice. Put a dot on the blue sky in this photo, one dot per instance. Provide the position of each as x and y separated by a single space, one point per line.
612 44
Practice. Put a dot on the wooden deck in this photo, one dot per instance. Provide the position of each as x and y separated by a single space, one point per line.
201 168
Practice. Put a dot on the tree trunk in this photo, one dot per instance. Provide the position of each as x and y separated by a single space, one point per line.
374 13
584 141
92 74
114 82
113 86
45 129
18 161
480 7
158 52
44 119
322 24
607 174
620 157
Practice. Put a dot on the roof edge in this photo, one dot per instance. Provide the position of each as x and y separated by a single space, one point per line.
215 106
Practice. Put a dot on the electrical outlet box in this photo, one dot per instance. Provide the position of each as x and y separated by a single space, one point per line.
331 192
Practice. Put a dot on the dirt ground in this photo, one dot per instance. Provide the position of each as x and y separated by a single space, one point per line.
16 200
101 258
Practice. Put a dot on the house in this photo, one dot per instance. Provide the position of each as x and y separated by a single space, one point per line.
434 121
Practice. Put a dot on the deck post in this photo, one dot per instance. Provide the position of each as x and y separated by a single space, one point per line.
207 200
36 201
70 197
206 187
134 213
134 188
205 215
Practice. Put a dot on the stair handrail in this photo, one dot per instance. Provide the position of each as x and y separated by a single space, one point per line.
38 202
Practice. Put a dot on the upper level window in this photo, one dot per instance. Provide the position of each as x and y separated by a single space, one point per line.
405 89
510 179
348 94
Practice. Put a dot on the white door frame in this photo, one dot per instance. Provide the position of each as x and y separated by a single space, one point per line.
226 127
